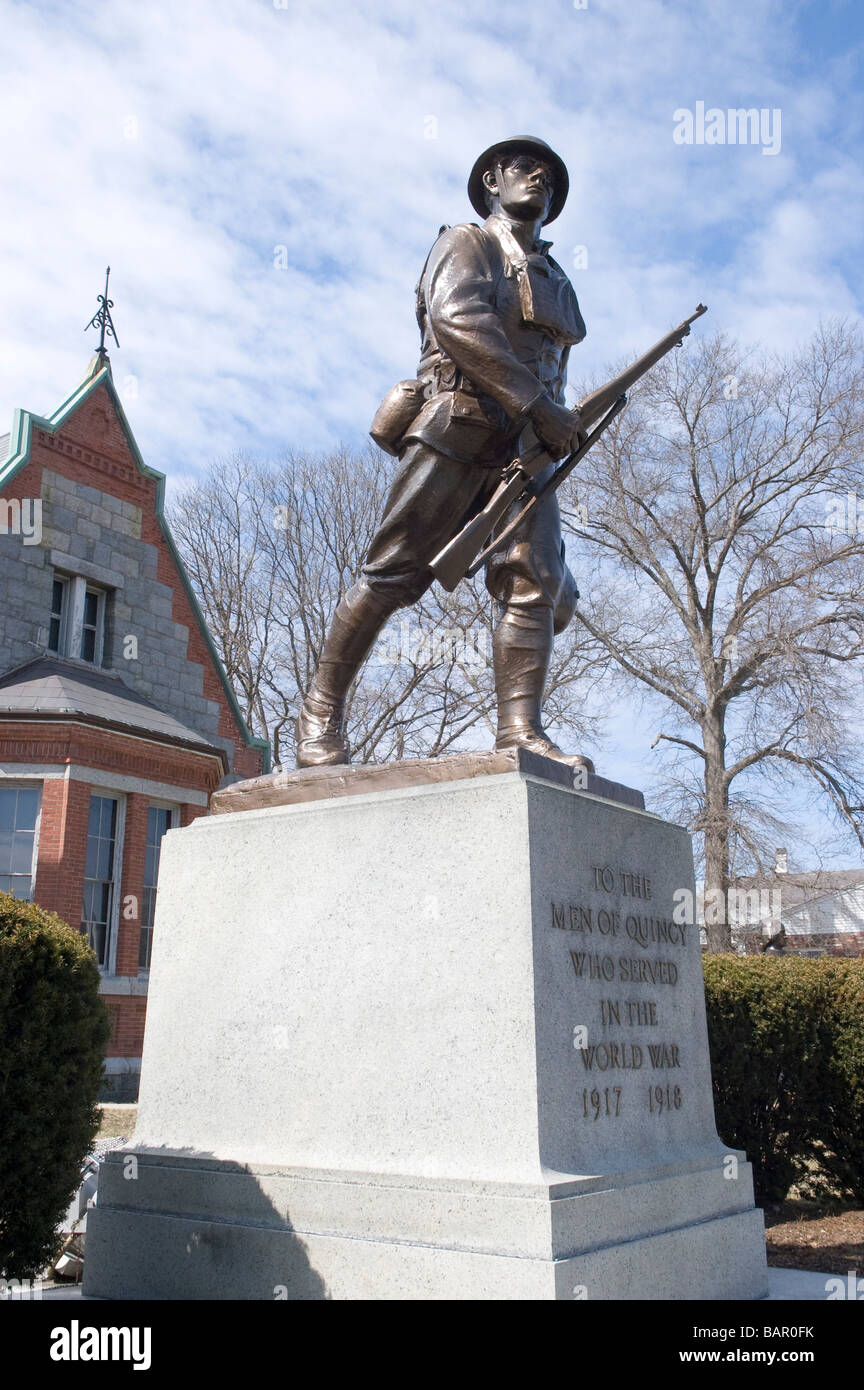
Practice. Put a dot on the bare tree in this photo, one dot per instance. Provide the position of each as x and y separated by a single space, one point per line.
726 582
219 526
272 547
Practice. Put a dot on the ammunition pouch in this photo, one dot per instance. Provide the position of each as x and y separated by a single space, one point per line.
398 410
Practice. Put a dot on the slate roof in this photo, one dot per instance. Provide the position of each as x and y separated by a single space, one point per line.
54 688
798 888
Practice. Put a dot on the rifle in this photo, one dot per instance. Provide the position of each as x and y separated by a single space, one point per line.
460 559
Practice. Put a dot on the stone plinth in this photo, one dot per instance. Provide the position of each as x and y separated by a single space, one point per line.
436 1041
320 784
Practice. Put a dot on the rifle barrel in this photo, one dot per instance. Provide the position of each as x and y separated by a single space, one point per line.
599 401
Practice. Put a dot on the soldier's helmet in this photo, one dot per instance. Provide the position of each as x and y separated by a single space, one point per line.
519 144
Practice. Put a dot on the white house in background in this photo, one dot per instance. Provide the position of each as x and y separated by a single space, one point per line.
821 912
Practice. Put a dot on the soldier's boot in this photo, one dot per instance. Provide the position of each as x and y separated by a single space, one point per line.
358 619
522 651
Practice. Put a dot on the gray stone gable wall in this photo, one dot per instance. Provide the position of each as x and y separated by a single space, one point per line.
90 532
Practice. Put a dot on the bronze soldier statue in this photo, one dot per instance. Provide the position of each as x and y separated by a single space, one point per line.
498 317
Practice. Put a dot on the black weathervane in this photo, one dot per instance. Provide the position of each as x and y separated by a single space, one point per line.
103 321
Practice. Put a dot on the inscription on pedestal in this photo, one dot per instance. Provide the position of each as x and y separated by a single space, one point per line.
626 944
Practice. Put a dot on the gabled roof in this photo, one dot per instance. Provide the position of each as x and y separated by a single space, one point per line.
18 456
57 689
804 888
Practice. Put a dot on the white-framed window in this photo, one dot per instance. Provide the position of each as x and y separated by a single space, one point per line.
104 858
20 806
76 624
59 614
92 626
161 817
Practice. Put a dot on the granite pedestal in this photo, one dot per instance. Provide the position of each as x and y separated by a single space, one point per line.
431 1039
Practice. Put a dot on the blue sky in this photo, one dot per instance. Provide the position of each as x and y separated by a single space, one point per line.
185 142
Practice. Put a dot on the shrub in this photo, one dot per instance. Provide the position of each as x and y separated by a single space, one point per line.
787 1058
841 1159
53 1032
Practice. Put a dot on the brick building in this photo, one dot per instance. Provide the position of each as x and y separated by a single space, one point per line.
116 718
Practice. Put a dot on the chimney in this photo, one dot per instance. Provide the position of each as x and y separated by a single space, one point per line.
780 863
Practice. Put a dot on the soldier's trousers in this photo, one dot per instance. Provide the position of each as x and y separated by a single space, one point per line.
432 497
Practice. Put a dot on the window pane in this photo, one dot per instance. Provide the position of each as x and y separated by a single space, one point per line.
88 912
148 907
158 821
22 854
28 808
19 885
55 623
96 936
97 901
93 623
19 808
91 862
104 902
104 858
90 626
99 871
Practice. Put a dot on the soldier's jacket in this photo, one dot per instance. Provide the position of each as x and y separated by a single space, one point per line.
496 326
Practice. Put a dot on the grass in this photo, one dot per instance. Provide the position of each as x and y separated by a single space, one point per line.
118 1121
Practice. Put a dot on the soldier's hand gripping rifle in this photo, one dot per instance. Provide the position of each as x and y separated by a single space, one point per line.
465 554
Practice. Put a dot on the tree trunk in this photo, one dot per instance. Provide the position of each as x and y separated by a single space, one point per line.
716 831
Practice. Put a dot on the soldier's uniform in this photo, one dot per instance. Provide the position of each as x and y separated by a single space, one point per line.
483 365
497 325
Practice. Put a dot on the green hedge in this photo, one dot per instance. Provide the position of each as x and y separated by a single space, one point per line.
53 1032
787 1057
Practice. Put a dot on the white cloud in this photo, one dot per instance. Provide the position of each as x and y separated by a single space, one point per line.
184 143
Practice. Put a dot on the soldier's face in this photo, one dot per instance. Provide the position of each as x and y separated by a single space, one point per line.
524 186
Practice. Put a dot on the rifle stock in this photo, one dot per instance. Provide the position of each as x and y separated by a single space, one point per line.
451 564
460 557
